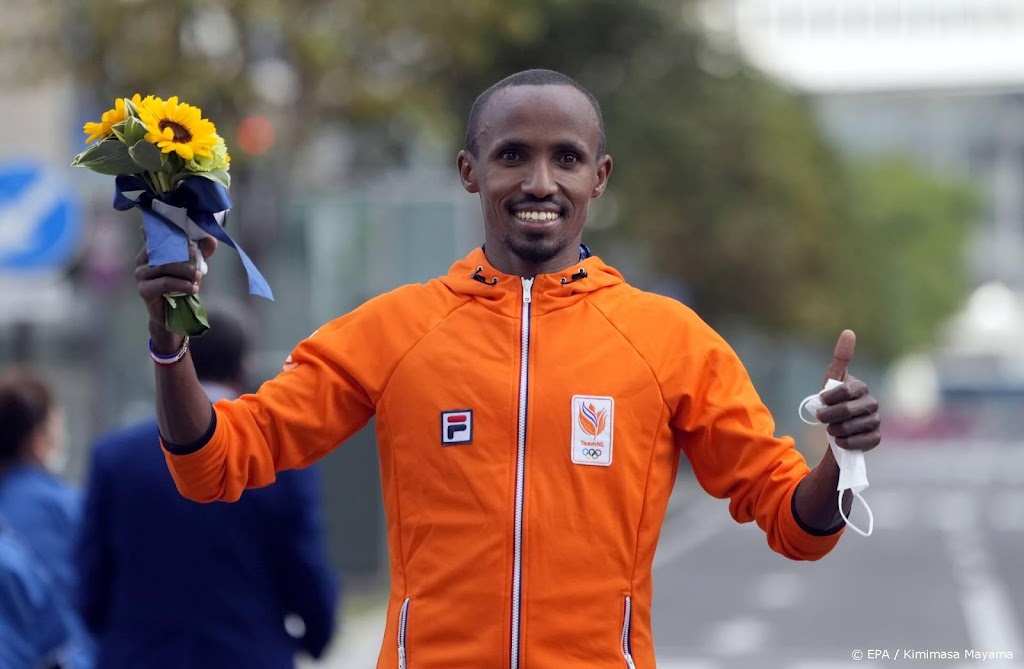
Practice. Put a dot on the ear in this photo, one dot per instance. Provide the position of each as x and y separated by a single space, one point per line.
604 170
466 166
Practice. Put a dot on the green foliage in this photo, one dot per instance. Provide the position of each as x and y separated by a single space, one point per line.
109 156
900 268
721 174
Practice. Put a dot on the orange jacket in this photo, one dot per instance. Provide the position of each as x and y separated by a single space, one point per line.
529 437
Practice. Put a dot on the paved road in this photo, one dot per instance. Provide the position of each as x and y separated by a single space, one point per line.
943 572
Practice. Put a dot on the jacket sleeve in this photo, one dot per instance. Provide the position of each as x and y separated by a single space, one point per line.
93 555
30 605
309 583
327 390
729 437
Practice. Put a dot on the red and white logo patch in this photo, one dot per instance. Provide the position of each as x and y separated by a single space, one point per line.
592 430
457 427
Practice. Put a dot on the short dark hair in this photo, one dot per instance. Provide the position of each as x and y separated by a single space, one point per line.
219 355
25 404
527 78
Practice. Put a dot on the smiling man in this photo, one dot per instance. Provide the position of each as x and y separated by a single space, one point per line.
531 411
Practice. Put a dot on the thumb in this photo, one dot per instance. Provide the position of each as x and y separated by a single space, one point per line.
841 357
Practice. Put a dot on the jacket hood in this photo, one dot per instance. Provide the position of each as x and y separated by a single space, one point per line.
474 276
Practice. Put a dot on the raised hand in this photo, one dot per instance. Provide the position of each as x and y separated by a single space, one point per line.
851 412
154 281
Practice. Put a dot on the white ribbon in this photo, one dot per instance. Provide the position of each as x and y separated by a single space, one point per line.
179 217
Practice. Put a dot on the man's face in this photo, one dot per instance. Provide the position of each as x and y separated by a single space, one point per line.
536 169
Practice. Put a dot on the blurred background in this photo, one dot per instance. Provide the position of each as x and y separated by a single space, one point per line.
788 168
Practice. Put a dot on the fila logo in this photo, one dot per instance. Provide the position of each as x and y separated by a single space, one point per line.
457 427
592 430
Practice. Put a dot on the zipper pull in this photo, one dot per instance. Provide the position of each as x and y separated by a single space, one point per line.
527 288
401 658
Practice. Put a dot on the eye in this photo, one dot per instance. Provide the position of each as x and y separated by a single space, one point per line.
569 159
511 156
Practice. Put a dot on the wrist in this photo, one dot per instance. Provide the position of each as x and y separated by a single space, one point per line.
163 341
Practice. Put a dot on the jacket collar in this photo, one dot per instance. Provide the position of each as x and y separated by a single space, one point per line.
474 276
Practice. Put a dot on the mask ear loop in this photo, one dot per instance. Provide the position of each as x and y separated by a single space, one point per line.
871 516
815 399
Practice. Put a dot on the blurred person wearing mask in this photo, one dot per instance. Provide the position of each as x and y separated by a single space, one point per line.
168 583
42 510
531 409
33 631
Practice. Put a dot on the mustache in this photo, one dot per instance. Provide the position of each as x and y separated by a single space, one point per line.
529 200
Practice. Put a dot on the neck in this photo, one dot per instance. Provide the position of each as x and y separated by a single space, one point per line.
507 262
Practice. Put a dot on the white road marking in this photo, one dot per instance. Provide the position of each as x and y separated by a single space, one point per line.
991 621
778 590
744 635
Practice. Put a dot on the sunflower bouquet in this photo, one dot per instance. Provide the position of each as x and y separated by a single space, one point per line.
170 163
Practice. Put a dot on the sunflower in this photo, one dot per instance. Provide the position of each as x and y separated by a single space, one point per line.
110 118
178 127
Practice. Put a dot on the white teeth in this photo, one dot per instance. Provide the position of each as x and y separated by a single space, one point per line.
536 215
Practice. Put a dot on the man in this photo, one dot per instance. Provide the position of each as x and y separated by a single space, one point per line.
531 410
168 583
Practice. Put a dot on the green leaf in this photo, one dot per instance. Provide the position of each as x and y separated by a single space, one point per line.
220 176
134 131
107 157
118 130
147 156
129 108
185 316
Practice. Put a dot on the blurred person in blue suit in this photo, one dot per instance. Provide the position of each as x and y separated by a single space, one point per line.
41 509
170 583
33 632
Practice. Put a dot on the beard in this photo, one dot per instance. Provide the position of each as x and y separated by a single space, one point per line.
535 248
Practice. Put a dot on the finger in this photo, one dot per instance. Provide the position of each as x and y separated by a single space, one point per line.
859 425
841 356
151 290
851 389
860 442
178 270
208 245
838 413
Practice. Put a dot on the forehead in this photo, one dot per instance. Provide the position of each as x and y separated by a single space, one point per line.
541 115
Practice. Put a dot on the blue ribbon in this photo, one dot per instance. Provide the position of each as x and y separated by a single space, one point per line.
165 241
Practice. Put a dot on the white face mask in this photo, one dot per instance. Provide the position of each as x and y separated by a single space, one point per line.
56 461
853 473
56 457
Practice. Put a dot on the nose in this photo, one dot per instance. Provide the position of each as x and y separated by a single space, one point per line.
540 181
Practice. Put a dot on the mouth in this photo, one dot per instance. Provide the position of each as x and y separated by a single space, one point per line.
537 218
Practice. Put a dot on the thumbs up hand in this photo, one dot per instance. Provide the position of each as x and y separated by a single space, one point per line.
850 413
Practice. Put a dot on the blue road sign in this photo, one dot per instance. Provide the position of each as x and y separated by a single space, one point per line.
40 220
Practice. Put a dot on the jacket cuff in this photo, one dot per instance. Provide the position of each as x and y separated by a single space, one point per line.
188 449
802 542
807 528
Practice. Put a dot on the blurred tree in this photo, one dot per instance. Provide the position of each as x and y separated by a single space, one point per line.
901 268
720 173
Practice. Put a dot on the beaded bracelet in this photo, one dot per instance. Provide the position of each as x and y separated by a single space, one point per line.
168 360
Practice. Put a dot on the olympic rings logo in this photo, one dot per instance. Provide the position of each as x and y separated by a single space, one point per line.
592 453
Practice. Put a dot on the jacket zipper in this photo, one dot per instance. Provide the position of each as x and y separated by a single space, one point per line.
403 620
517 559
626 621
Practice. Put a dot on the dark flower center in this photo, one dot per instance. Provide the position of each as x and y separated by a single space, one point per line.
181 133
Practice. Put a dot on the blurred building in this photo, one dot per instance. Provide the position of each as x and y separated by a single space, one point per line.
942 82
